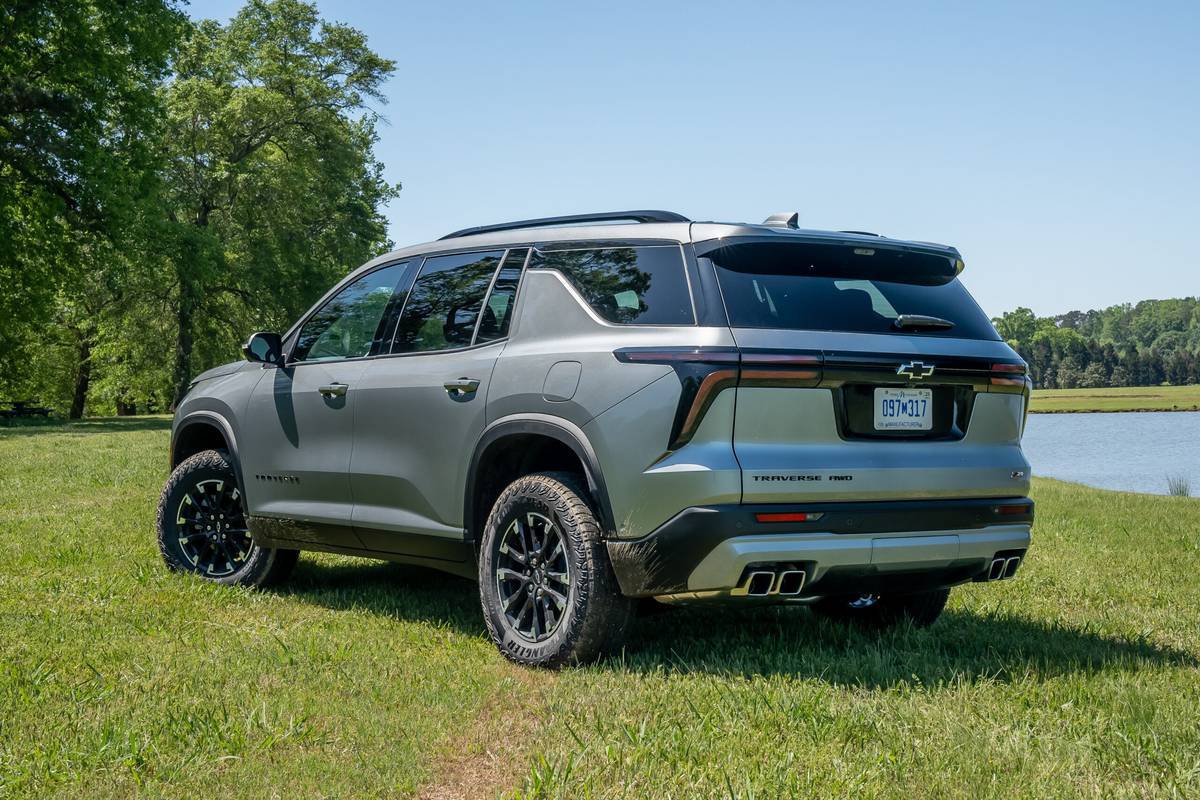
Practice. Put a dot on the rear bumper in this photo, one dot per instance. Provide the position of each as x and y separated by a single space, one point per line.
850 548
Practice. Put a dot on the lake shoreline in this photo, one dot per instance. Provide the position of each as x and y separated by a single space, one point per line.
1113 410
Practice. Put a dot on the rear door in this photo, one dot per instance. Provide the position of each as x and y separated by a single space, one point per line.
867 373
421 409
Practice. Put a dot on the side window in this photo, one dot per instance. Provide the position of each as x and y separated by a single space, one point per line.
444 303
497 311
352 321
630 285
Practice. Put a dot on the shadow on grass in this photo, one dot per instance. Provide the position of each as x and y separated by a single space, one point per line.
412 594
15 428
961 647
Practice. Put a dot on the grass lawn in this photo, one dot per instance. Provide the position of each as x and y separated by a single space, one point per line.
117 679
1121 398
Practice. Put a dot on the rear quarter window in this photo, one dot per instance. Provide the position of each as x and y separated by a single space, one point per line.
627 285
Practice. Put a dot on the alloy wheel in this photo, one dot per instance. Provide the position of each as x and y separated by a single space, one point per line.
211 528
533 576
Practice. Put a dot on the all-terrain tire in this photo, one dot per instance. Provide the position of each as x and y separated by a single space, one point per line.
596 615
920 609
247 563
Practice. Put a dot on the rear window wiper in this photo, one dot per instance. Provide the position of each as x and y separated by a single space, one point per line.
906 321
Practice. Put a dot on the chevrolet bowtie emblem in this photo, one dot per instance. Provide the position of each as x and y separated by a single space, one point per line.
915 370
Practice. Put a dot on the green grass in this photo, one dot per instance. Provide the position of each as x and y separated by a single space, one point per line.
117 679
1121 398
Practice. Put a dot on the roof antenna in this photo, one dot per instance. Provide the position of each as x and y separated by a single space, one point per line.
786 219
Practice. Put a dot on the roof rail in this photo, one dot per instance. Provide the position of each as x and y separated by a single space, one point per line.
544 222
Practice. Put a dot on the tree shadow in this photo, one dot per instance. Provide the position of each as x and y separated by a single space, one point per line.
768 640
18 428
962 646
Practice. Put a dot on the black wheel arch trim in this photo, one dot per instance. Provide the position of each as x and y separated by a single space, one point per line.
210 419
557 428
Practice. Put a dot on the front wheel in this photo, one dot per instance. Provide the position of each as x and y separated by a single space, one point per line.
921 609
548 591
202 526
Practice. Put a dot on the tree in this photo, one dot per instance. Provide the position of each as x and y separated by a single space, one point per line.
1017 327
273 189
77 106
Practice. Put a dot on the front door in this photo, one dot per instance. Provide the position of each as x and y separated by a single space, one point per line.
299 425
422 409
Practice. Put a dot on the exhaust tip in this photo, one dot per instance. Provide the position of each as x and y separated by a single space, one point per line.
1010 566
997 570
759 584
791 581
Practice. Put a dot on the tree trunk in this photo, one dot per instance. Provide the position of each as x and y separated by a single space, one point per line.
83 378
183 349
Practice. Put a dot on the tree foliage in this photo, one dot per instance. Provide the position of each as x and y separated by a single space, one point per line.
169 186
1152 342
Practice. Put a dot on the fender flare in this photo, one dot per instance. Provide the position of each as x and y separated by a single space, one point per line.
562 430
213 420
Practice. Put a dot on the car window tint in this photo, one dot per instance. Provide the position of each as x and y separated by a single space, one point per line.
629 285
444 303
497 311
350 323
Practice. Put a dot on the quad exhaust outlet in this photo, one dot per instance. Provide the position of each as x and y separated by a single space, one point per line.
1003 568
766 582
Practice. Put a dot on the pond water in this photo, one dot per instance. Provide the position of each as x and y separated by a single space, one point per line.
1134 452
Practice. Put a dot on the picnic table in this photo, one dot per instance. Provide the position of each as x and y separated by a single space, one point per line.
23 408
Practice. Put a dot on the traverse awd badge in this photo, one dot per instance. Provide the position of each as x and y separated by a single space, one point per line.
915 370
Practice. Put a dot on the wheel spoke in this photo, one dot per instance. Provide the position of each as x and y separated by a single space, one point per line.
512 600
559 599
549 614
514 555
506 574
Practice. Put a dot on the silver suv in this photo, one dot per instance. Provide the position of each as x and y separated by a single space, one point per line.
583 411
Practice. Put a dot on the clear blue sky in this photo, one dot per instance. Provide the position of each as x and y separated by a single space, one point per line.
1056 144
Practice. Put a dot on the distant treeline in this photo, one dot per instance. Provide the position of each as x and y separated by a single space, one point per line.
1152 342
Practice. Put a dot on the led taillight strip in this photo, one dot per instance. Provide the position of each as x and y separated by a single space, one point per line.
704 372
767 368
1008 374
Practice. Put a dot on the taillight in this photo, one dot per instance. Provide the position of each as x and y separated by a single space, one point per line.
1008 374
704 372
788 516
1012 510
780 368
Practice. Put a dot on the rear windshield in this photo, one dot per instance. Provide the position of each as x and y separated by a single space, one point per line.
831 288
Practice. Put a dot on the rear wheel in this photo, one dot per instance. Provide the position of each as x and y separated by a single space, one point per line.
921 609
549 594
202 526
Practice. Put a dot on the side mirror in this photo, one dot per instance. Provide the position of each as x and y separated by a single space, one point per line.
266 348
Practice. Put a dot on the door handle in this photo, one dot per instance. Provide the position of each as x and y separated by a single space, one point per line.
333 390
462 387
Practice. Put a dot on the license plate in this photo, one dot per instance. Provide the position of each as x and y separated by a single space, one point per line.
903 409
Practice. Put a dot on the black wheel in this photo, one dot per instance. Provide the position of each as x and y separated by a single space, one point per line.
202 526
549 594
921 609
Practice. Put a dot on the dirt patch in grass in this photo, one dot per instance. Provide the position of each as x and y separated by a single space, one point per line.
492 755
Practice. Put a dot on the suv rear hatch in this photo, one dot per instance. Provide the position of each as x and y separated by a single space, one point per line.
867 372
